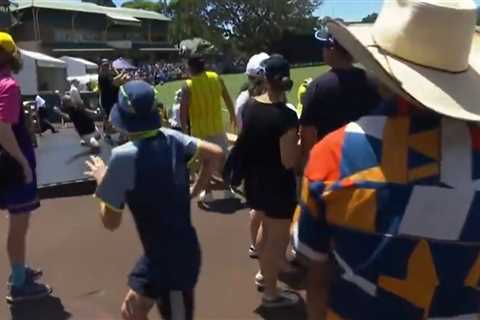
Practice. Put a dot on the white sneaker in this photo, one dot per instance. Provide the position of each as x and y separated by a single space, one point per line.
259 280
206 197
93 143
283 299
252 252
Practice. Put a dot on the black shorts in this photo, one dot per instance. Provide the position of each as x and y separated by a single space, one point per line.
170 283
107 110
275 196
176 305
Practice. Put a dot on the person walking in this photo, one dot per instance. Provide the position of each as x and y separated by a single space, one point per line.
19 199
343 94
109 80
268 152
174 117
41 106
154 159
390 202
201 111
253 88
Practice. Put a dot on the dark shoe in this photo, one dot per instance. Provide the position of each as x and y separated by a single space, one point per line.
295 279
108 139
31 275
284 299
30 291
34 274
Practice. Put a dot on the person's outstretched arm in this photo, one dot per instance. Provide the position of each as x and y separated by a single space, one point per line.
229 103
184 106
113 183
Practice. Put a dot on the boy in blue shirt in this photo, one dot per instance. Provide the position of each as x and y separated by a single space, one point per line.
150 175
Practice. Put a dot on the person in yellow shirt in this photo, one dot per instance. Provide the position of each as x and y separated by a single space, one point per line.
201 109
302 89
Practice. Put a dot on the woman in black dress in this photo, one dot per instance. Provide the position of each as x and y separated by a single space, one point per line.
269 151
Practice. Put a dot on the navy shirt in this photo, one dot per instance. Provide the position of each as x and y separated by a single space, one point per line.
337 98
108 92
151 177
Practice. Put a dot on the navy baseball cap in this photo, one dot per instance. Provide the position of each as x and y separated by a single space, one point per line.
325 38
276 67
135 110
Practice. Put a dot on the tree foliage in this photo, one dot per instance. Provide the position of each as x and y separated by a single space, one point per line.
187 20
253 24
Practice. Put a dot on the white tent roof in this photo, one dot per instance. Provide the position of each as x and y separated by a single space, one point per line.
122 18
78 6
86 63
43 60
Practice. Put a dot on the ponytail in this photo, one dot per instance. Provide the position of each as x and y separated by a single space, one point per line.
286 84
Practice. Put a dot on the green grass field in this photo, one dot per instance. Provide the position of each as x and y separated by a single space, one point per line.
235 81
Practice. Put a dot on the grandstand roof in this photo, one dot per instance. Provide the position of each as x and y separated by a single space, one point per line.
68 5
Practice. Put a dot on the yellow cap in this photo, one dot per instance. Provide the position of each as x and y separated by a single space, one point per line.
7 43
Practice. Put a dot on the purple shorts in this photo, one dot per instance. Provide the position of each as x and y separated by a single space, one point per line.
20 199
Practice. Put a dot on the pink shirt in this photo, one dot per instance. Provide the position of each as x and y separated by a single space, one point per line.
10 98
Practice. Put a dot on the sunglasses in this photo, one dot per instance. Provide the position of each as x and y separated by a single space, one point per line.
325 38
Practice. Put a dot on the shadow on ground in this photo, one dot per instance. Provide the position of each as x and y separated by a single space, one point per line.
297 312
223 206
50 308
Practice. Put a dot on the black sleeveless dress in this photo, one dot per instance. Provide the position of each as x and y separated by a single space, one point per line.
269 187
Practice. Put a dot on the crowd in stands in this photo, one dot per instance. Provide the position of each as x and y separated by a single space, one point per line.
159 73
162 72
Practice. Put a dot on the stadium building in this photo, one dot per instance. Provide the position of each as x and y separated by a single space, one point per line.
90 31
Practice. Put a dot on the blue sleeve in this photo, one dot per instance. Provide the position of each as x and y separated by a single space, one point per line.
118 180
189 143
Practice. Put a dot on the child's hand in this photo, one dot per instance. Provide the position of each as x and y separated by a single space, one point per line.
97 169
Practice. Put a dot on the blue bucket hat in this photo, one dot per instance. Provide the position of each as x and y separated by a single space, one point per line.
135 110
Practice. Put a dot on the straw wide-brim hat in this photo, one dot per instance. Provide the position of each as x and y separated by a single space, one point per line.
425 50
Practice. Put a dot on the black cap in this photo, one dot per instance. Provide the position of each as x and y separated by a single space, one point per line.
326 39
276 67
197 63
196 58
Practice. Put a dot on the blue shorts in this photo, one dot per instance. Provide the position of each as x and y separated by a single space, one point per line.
21 199
152 280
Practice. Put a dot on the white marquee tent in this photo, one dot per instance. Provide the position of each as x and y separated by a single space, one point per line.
41 73
79 67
